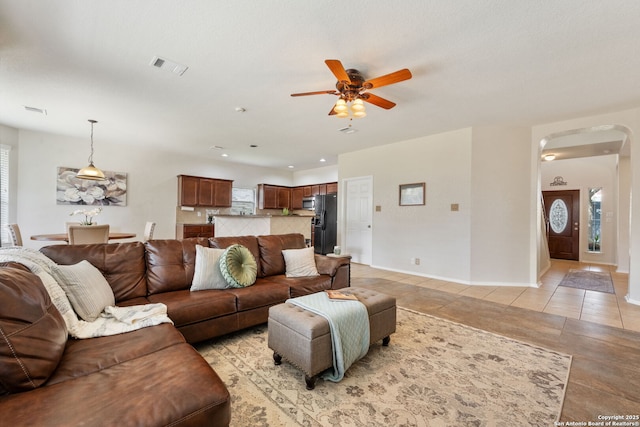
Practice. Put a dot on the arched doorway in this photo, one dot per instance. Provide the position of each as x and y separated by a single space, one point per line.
585 151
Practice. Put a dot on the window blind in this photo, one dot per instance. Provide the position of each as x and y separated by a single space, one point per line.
4 193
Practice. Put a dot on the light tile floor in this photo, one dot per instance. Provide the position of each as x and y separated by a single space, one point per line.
592 306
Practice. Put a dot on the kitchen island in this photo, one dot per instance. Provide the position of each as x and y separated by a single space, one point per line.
259 225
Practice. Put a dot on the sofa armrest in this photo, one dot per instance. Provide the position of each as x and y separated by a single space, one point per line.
330 265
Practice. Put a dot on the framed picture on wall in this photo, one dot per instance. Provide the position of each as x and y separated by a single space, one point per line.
412 194
70 190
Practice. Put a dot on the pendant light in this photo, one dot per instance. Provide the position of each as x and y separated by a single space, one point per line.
91 172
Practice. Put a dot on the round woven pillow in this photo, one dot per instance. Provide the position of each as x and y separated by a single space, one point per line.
238 266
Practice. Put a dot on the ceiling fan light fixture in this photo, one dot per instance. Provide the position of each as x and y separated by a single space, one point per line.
340 107
357 105
359 114
91 172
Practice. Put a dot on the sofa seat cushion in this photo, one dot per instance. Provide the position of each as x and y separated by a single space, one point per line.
84 357
263 293
33 334
173 386
122 264
186 307
300 286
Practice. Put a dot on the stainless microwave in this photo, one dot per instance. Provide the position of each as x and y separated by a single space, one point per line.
309 203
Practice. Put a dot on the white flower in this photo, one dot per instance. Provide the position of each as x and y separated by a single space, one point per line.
88 215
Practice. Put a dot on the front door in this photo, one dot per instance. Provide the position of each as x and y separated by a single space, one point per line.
562 210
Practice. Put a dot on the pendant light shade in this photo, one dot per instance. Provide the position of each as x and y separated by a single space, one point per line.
91 172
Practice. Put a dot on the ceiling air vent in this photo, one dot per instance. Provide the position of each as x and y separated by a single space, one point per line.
348 129
168 65
35 110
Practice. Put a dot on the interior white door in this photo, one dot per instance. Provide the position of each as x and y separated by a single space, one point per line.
359 219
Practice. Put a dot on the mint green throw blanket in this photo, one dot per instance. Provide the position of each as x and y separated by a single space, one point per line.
349 324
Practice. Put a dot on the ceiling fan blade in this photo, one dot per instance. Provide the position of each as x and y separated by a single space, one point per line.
338 70
388 79
320 92
376 100
332 112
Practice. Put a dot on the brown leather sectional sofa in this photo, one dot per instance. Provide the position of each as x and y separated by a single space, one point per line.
152 376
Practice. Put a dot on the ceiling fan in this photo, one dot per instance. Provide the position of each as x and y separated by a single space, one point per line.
352 88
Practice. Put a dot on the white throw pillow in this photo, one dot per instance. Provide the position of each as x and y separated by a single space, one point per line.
87 289
300 262
207 273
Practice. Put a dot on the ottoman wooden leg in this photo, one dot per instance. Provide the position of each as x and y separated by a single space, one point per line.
277 359
386 340
311 381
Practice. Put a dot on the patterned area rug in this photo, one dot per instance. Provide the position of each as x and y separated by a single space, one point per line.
589 280
434 373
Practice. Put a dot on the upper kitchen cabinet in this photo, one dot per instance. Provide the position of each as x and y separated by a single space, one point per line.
208 192
297 194
332 187
273 197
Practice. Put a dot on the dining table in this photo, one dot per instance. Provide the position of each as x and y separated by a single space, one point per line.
64 237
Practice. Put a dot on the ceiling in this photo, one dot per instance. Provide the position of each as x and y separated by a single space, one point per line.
474 63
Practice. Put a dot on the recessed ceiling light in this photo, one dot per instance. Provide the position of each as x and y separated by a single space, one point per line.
240 109
36 110
224 155
323 160
550 157
290 166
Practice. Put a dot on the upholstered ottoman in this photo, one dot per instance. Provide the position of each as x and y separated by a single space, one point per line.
304 338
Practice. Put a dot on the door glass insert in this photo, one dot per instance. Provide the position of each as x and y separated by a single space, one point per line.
595 214
558 216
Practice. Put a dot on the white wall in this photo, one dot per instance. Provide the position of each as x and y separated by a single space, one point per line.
152 183
433 233
316 176
500 207
624 209
583 174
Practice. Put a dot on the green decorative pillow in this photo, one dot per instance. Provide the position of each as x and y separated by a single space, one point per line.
238 266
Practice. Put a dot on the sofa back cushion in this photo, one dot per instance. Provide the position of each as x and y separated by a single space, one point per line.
171 264
33 334
271 246
249 242
122 264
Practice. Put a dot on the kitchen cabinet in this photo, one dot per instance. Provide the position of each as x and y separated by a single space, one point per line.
297 194
279 197
273 197
206 192
267 196
284 198
188 190
185 231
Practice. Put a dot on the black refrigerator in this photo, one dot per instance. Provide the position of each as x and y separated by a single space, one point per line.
325 223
